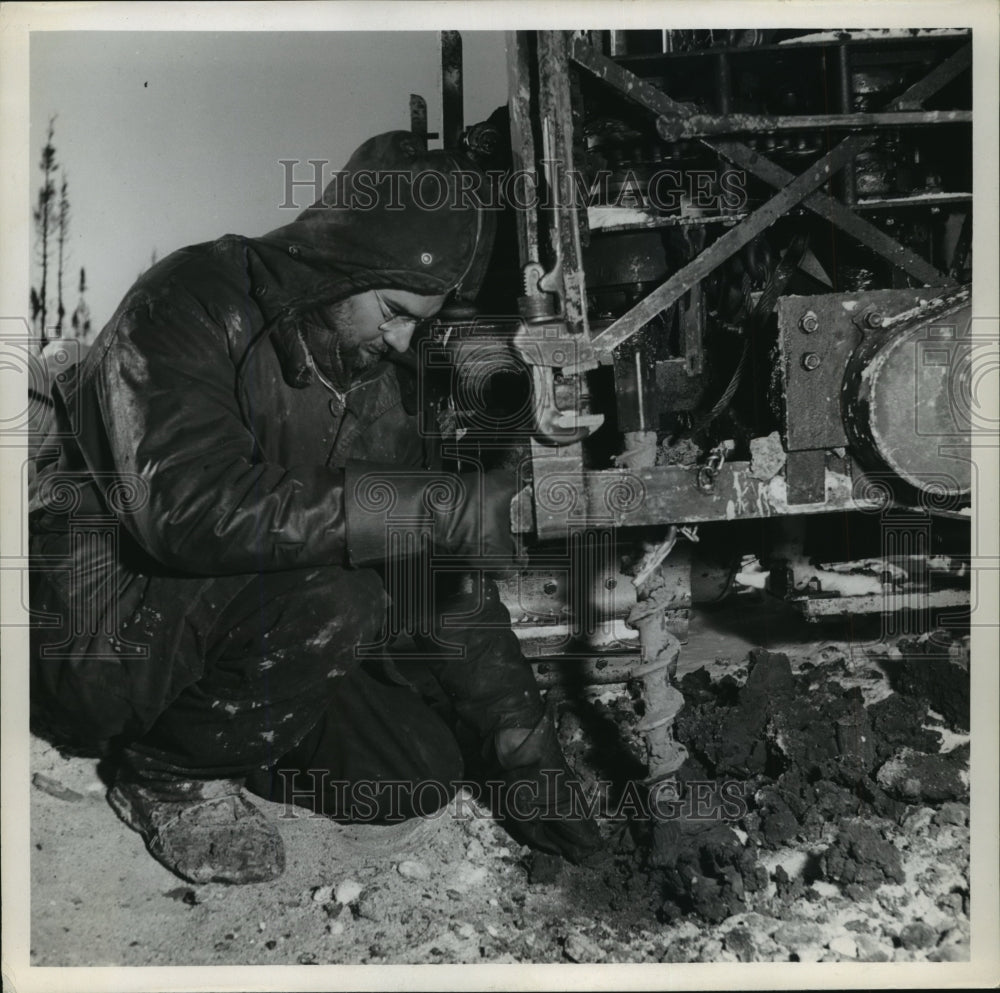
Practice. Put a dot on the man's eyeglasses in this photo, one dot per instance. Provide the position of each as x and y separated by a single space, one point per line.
393 320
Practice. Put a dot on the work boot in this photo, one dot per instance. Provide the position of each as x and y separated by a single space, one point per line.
203 831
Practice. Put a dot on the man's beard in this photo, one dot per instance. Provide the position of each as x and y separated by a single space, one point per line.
361 358
340 359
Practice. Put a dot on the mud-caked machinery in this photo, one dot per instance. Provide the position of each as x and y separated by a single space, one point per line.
725 336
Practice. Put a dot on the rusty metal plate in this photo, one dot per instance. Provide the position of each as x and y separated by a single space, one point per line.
805 474
566 498
817 335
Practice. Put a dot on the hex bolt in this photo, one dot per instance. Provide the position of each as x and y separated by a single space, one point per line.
873 319
809 322
811 361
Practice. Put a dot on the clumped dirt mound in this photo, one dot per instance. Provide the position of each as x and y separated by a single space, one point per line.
814 757
860 857
935 670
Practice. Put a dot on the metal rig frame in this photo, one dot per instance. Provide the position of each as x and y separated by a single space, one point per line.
823 468
666 492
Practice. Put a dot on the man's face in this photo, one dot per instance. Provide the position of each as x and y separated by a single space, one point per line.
357 331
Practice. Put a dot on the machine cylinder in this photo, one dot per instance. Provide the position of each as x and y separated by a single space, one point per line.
905 402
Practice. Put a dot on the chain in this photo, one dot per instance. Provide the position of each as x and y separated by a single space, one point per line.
706 476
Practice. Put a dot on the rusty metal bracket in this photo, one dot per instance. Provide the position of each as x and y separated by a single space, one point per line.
817 336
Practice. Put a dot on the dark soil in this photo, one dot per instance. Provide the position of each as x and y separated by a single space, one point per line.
785 758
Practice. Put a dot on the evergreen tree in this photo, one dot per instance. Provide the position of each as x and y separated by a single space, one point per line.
44 216
62 230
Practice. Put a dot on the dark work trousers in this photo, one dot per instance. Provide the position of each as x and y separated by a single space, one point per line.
383 752
263 677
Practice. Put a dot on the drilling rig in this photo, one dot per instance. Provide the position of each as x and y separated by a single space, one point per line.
724 335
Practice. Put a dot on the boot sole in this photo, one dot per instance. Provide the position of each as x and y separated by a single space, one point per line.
127 811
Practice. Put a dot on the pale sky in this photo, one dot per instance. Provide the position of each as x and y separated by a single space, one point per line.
171 138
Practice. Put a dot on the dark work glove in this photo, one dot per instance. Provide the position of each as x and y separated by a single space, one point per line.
390 511
538 805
